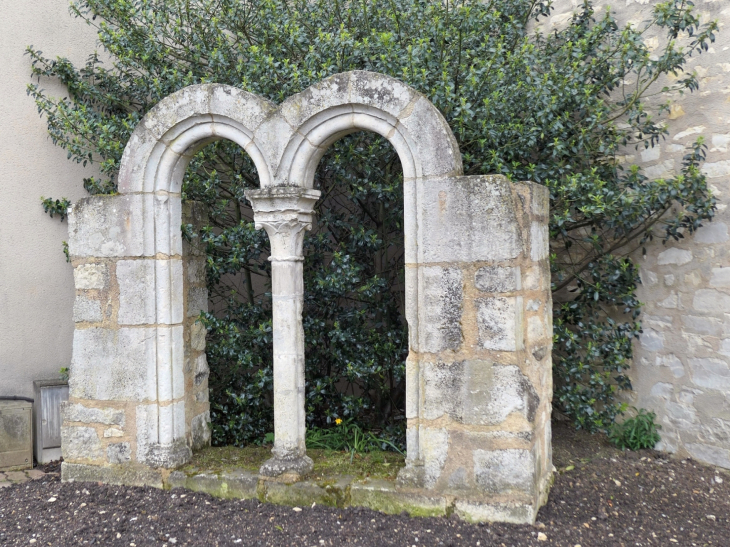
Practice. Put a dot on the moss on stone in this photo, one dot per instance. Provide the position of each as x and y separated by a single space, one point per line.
329 465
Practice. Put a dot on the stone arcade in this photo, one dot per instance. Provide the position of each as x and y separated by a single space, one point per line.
478 305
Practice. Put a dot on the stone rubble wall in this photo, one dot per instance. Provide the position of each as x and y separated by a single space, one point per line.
113 389
681 366
483 352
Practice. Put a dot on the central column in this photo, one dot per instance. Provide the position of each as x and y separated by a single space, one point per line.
286 212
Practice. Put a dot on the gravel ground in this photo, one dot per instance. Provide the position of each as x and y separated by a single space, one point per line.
601 497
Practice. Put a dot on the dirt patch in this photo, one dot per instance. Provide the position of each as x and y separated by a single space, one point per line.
602 497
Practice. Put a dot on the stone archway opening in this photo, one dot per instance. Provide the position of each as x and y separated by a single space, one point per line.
478 374
358 268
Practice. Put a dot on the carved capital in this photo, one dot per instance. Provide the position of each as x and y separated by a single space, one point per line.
285 212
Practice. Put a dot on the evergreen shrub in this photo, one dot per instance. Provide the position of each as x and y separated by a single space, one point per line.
556 107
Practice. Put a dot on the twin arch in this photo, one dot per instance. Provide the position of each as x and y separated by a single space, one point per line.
477 284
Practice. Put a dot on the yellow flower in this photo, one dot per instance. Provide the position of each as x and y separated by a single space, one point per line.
338 421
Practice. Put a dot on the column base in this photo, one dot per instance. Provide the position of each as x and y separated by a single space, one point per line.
299 465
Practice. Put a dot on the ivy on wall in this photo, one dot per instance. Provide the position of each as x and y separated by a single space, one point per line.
554 107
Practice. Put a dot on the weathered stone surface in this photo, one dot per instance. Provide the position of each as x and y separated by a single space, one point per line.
75 412
477 392
713 232
118 453
127 474
652 340
382 496
87 310
712 301
201 369
137 299
197 336
197 301
674 256
200 429
673 362
496 279
91 276
440 318
107 226
80 443
499 320
710 373
710 454
501 471
111 365
515 513
451 208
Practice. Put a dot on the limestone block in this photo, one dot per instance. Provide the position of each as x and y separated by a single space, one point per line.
75 412
137 299
702 325
147 430
674 256
386 94
710 373
539 241
680 416
499 321
87 310
720 277
196 271
114 365
662 390
535 329
197 301
709 300
434 450
118 453
110 226
468 219
197 336
651 340
80 443
126 475
200 430
431 140
201 369
713 232
497 279
515 513
113 432
673 362
326 94
477 392
240 106
271 138
441 308
91 276
503 471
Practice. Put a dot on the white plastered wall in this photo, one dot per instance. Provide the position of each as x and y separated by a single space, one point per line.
36 283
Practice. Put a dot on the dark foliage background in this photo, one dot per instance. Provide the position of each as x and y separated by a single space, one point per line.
555 108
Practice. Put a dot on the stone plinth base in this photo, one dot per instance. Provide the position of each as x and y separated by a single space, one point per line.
342 491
